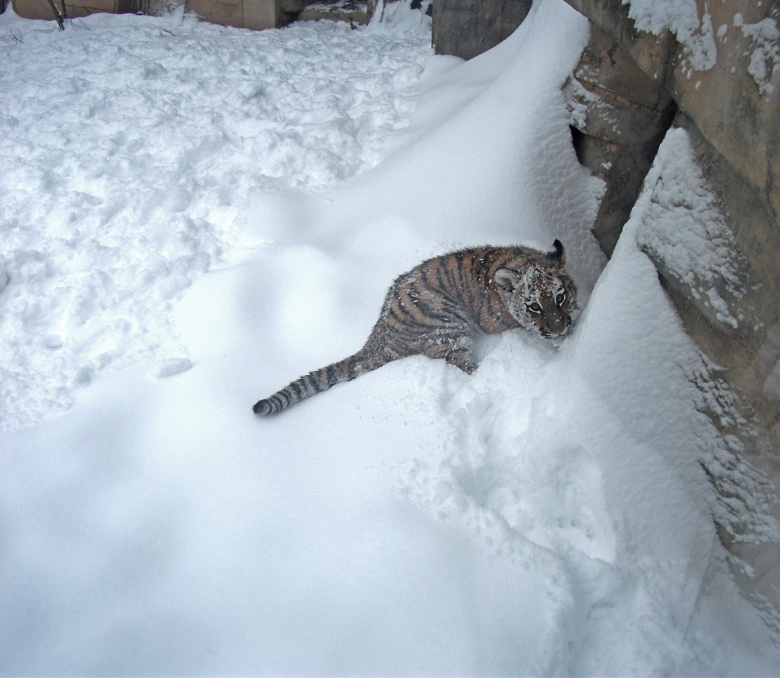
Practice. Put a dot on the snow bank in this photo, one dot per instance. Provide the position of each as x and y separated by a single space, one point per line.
681 17
546 515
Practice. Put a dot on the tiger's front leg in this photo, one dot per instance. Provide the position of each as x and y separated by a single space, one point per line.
454 346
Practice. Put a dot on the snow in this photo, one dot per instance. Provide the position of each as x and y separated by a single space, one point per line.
189 225
680 224
681 17
764 52
124 120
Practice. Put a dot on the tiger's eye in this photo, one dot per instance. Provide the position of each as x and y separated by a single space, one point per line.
535 308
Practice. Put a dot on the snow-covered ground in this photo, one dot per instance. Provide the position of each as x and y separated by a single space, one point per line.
192 216
133 148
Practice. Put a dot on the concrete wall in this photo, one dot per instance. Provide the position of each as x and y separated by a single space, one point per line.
467 28
254 14
731 113
41 9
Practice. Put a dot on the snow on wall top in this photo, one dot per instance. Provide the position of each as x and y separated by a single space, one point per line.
695 34
765 52
681 17
680 225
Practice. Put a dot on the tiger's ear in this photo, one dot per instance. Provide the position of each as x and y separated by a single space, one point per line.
559 254
506 279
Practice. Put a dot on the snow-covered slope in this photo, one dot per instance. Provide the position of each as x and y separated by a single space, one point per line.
547 515
133 145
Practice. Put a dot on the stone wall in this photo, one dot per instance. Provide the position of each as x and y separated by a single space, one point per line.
41 9
620 118
261 14
467 28
729 104
253 14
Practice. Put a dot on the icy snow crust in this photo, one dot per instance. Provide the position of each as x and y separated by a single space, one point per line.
546 515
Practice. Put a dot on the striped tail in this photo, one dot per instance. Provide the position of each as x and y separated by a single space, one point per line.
317 382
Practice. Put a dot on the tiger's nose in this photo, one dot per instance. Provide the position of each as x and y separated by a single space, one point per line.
557 324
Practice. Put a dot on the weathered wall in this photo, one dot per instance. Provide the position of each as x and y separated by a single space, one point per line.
353 12
467 28
261 14
730 109
725 101
254 14
41 9
620 118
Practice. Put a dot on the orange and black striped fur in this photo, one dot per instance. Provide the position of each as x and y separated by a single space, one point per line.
438 307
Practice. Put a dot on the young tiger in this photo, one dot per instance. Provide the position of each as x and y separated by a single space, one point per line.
438 307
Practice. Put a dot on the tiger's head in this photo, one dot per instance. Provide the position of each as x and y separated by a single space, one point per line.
540 296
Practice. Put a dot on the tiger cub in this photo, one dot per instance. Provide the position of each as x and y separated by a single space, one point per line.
438 307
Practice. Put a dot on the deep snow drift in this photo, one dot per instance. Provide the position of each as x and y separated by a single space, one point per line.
217 212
